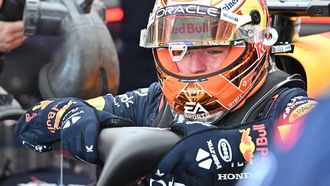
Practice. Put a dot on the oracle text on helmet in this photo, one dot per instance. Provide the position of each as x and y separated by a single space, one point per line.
187 9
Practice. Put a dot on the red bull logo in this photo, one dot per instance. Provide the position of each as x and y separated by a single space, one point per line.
28 117
261 140
57 113
246 146
191 28
42 105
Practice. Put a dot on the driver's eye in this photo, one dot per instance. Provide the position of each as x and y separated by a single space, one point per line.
176 53
214 52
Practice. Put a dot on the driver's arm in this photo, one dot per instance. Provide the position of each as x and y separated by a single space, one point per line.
77 122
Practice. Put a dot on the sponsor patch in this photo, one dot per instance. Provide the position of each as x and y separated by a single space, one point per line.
55 115
296 102
236 176
29 117
247 147
290 122
188 9
142 92
205 158
124 98
42 105
195 110
231 5
98 103
261 141
224 149
301 110
214 155
194 28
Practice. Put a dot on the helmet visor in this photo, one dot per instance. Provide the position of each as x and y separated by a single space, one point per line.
192 30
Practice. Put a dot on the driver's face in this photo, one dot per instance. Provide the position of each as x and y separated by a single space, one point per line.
203 60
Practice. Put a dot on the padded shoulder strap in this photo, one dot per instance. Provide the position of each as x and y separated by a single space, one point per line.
164 117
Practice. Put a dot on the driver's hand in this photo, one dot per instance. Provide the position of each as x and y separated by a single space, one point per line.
206 151
11 35
80 131
40 126
71 120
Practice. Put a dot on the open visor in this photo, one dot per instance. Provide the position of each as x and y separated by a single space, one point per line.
198 30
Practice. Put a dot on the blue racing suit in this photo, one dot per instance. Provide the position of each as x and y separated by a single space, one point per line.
72 120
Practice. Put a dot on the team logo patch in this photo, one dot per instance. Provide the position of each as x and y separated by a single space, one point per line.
261 141
55 115
42 105
29 117
247 147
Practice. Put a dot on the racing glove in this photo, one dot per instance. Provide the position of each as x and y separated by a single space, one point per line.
208 150
73 121
80 137
40 126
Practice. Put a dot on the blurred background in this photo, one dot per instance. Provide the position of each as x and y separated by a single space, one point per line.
19 77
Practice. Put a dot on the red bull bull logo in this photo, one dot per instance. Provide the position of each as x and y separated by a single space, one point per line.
42 105
246 146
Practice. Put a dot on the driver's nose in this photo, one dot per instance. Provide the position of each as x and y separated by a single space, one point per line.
196 64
